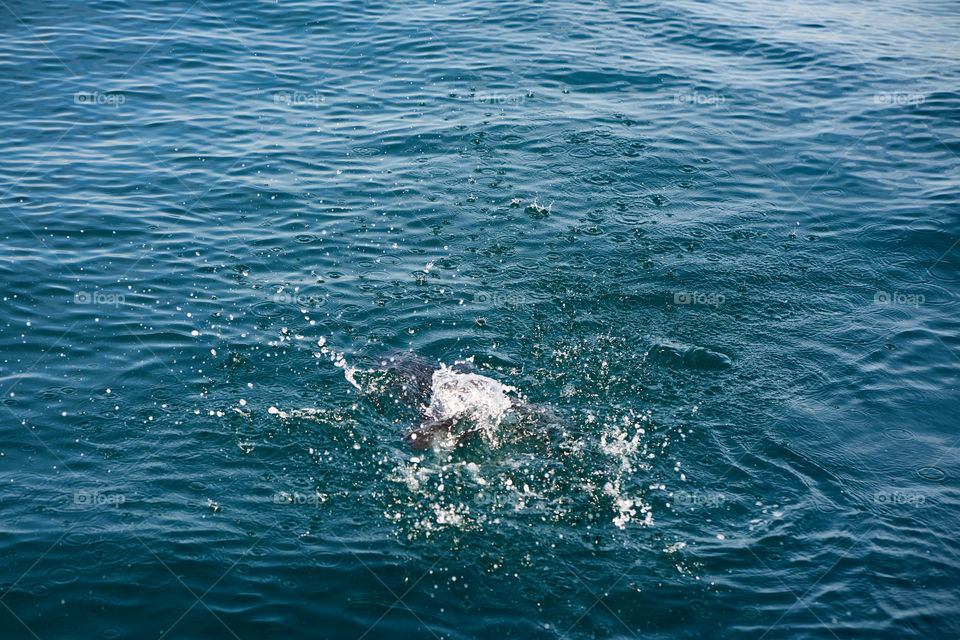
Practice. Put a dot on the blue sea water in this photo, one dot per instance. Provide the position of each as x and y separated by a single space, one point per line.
721 240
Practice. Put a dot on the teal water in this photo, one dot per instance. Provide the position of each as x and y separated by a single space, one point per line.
720 240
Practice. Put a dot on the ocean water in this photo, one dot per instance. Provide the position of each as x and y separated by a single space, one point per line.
717 242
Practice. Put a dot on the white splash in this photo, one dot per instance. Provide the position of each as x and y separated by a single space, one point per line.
470 396
616 442
339 361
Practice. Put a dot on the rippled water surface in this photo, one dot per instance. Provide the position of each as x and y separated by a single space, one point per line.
710 248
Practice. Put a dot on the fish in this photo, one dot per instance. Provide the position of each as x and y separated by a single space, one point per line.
458 404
